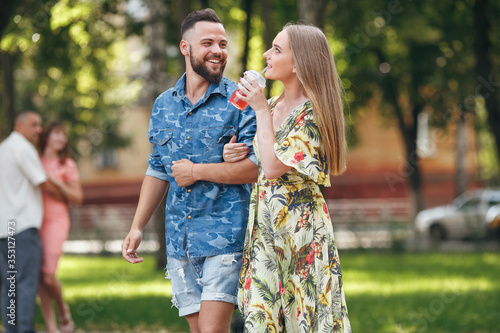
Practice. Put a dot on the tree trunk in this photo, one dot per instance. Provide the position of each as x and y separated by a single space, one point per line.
205 3
7 61
268 35
182 9
155 83
413 168
312 11
161 257
409 135
487 86
461 173
8 8
156 80
248 25
8 93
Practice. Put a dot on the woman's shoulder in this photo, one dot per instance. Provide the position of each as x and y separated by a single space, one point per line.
272 101
303 111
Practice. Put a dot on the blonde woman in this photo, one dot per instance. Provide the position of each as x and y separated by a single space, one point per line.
291 279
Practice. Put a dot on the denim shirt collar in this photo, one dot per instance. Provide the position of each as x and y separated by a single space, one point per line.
213 88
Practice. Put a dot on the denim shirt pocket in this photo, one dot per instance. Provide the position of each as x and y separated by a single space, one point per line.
217 137
163 145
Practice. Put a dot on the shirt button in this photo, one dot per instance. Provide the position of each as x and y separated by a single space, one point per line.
189 217
189 191
188 138
190 113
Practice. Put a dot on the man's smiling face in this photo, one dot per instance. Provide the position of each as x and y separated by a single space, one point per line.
208 50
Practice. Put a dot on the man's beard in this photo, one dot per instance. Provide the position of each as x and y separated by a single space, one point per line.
202 70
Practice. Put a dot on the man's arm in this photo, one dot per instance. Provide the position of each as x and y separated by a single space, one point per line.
241 172
70 192
186 172
51 189
152 192
29 161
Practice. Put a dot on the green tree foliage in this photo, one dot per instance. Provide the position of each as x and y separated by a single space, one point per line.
486 50
73 64
413 57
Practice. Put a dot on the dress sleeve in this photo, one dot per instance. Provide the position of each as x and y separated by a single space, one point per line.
303 149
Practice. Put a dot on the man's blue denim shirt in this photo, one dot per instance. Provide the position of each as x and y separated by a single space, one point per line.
205 218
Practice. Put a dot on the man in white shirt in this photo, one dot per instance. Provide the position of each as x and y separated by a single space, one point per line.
21 179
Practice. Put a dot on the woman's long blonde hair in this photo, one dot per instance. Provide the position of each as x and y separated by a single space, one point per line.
315 68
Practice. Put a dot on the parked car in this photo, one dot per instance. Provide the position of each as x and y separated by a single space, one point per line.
493 220
465 217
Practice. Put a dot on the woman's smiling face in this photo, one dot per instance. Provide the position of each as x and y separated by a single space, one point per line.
279 59
57 139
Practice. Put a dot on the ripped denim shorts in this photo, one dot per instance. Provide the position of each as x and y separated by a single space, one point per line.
197 279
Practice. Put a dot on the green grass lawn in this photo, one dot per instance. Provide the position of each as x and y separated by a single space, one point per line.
386 292
431 292
109 294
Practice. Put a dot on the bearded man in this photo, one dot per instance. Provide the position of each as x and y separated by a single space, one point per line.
208 199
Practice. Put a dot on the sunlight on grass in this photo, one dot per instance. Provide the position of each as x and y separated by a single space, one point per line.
109 294
385 293
412 286
119 278
117 289
422 292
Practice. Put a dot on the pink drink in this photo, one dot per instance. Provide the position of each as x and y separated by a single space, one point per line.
238 103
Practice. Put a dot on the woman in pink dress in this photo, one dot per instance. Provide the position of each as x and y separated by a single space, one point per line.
62 170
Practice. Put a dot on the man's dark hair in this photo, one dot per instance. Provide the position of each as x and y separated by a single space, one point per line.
21 116
206 14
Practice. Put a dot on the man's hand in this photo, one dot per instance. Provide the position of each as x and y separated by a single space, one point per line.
130 245
182 171
52 188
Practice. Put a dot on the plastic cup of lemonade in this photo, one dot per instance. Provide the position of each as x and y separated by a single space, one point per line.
260 80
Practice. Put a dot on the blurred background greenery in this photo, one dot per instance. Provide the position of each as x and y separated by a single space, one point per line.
83 62
86 62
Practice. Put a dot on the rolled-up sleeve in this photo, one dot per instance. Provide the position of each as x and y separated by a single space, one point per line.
154 171
155 166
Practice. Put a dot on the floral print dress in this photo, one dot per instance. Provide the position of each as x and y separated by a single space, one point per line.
291 279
